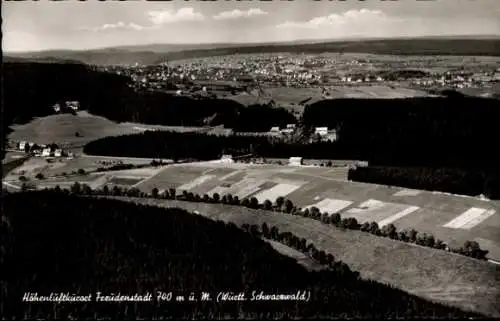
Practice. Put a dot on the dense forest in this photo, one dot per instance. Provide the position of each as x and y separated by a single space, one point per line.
53 242
452 131
450 180
154 54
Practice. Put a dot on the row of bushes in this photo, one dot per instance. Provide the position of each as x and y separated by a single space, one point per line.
470 248
300 244
450 180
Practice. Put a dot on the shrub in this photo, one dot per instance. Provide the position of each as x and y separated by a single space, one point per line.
245 202
254 203
76 188
279 202
265 230
287 206
336 219
267 205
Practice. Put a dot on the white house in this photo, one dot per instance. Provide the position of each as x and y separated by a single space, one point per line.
295 161
46 152
57 108
275 129
287 131
58 153
22 145
291 126
228 159
75 105
322 131
332 136
361 164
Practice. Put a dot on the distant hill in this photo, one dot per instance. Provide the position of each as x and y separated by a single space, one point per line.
157 53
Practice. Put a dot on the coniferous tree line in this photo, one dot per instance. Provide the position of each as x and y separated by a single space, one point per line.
451 180
453 131
53 242
282 205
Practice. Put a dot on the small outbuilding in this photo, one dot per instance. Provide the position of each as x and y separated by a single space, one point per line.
295 161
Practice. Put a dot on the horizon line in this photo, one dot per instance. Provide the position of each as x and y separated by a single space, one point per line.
284 42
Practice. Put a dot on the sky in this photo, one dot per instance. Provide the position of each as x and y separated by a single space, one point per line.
77 25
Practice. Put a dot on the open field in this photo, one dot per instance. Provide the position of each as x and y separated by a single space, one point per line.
323 187
427 212
430 273
58 167
291 97
11 161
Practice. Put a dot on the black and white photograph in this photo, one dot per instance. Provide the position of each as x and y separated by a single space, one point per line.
185 160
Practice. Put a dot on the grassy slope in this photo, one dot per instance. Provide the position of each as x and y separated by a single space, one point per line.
300 257
432 274
62 128
81 244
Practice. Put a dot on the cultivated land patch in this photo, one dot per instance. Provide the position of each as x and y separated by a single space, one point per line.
470 218
123 181
399 215
424 211
172 176
407 192
195 182
247 187
276 191
331 205
291 98
433 274
233 177
375 211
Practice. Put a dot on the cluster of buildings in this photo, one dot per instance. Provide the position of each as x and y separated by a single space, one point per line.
67 105
235 72
320 134
459 79
51 150
288 130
